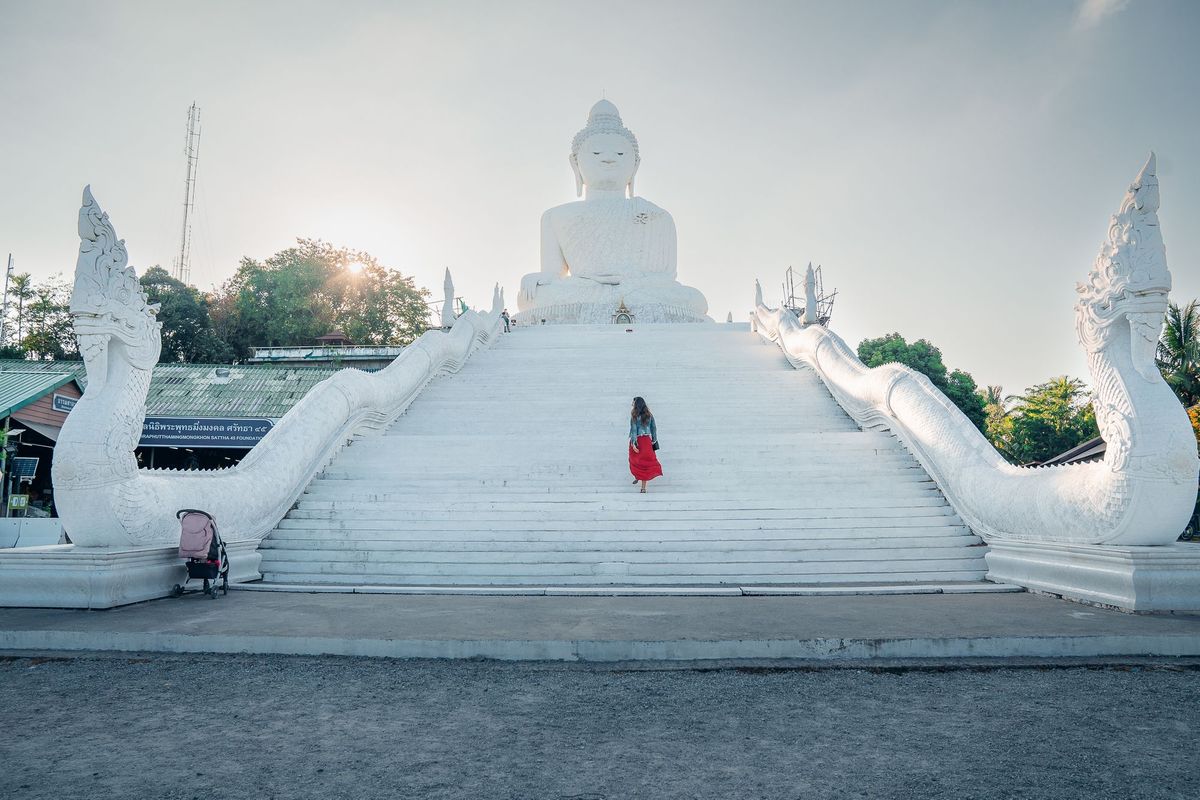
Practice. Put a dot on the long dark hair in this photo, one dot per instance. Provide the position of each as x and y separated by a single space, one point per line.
640 411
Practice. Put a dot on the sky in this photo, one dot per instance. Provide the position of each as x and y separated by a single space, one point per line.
952 165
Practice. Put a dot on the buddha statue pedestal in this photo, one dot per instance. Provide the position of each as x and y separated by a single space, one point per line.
581 301
609 248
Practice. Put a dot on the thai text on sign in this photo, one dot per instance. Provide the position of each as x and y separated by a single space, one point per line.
203 432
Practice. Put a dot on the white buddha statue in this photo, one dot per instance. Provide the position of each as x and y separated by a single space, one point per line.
611 247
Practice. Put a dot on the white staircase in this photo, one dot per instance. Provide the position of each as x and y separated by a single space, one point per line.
514 473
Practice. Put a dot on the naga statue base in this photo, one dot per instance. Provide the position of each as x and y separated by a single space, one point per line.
1138 579
70 576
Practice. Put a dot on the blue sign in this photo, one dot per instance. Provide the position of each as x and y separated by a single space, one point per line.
63 403
203 432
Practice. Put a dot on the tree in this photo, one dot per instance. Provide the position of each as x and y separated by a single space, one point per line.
51 333
922 356
1178 353
997 424
187 330
1049 419
21 289
312 289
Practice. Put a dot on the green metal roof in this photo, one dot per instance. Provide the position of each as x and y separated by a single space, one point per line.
257 390
19 389
74 368
196 390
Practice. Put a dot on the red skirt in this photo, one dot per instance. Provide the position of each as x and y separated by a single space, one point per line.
644 463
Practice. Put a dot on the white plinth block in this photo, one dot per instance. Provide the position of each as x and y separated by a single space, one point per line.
69 576
1162 578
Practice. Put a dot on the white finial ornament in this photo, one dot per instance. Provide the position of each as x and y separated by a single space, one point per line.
810 296
448 304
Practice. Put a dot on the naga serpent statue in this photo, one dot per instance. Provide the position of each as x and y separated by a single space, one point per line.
104 499
1141 493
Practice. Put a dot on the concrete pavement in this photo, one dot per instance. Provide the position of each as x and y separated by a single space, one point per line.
599 629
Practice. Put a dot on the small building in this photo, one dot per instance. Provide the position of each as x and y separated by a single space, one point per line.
35 398
207 416
1091 450
198 416
368 358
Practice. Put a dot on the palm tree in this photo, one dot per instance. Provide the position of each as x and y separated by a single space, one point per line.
1179 352
997 425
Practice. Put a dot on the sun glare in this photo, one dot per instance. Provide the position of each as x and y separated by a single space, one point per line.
355 267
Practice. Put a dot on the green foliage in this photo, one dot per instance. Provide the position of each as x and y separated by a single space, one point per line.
1047 420
187 331
310 290
291 298
923 357
1178 353
46 322
997 424
21 292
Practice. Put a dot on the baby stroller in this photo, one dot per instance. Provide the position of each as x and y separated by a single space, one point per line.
201 545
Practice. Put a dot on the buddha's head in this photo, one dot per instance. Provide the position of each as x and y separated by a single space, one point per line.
604 155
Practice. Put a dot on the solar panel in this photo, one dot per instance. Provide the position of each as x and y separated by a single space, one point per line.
24 467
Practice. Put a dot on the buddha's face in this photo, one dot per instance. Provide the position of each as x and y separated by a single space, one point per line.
606 161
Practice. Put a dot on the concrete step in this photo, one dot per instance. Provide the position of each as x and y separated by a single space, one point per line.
716 555
320 540
712 527
401 512
897 576
540 538
354 501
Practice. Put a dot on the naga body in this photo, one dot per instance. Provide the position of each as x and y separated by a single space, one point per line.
1144 490
103 497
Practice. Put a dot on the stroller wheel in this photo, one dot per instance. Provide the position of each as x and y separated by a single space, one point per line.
176 590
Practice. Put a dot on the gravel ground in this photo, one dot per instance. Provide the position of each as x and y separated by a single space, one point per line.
284 727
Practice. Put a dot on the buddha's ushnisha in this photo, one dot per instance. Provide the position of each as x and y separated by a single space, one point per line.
611 245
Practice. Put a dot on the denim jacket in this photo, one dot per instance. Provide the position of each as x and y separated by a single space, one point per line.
636 429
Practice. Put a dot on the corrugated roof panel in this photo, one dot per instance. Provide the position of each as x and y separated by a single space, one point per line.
195 390
19 389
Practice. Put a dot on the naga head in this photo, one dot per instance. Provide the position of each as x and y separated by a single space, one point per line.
111 314
1130 280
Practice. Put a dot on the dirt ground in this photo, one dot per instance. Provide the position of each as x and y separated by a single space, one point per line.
288 727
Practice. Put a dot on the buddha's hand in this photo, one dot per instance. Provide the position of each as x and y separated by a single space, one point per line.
529 286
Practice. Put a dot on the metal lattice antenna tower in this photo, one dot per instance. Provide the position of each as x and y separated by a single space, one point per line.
191 148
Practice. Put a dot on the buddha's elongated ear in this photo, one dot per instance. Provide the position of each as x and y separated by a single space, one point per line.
630 185
578 176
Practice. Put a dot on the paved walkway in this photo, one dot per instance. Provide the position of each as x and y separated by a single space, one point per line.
610 628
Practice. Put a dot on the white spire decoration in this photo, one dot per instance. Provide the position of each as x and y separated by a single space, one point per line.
810 296
448 315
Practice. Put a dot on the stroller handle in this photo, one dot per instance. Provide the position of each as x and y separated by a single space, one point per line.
179 514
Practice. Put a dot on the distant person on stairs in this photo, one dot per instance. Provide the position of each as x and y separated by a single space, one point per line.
643 441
